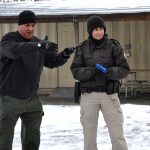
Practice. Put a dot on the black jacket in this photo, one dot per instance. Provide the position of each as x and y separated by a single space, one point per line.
108 53
21 64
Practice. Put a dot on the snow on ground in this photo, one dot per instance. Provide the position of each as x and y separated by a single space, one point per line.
61 128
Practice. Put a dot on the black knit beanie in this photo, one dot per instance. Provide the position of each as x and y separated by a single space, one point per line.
26 16
94 22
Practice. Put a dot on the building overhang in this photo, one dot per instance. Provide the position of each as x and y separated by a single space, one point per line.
68 10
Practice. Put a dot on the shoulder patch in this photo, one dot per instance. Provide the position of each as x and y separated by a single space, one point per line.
125 55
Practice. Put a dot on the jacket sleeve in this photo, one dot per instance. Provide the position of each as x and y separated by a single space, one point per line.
53 60
79 71
121 68
14 49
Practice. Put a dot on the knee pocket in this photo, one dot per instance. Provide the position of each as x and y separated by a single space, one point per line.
5 123
2 117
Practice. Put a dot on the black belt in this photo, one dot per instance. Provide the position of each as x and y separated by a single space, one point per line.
93 89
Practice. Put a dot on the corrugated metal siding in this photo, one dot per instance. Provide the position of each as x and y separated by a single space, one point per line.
65 39
139 60
136 33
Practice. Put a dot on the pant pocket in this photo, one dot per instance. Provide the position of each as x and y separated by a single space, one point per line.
81 116
6 123
116 102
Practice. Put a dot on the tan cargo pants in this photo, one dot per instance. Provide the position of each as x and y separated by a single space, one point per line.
91 104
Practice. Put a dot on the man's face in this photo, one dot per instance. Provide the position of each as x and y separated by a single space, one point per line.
27 30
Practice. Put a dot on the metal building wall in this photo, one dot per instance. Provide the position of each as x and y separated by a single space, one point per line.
133 36
49 78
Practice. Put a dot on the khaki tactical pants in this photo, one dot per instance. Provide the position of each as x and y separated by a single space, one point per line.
30 112
91 104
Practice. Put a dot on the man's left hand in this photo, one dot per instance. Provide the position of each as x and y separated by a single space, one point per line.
68 51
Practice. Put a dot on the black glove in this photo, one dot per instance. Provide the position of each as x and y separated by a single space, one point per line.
68 51
53 47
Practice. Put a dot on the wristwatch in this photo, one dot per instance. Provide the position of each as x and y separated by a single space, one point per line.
39 45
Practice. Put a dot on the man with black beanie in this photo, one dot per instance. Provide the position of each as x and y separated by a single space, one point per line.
22 57
26 17
99 63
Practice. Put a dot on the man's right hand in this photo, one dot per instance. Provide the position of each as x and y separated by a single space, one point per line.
49 45
52 47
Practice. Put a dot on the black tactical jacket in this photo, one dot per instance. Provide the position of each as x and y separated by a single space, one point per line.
109 54
21 64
